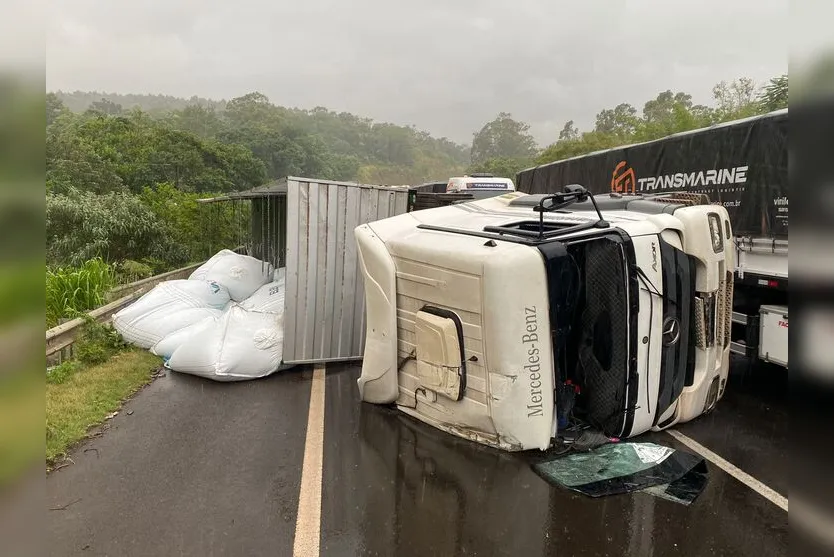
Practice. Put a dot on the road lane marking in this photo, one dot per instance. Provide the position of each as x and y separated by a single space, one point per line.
733 470
308 520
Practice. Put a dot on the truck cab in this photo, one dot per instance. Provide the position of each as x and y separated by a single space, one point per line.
480 313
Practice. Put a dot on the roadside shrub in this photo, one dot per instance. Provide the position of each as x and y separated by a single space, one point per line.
115 226
72 291
62 372
130 271
97 343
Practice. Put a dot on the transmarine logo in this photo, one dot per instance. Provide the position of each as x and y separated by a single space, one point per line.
623 179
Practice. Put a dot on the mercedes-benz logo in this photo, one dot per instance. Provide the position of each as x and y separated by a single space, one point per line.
671 331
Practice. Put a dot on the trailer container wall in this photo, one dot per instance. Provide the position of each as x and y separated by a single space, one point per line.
325 296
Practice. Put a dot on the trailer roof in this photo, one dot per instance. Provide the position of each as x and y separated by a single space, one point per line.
278 188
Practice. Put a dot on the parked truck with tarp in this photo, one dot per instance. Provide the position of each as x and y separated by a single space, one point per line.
743 167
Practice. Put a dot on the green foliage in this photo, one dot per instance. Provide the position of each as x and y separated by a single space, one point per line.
79 101
317 142
619 121
199 230
86 398
587 142
569 132
666 114
105 106
503 138
775 94
501 167
114 226
735 100
54 108
97 343
102 153
130 271
72 162
63 371
72 291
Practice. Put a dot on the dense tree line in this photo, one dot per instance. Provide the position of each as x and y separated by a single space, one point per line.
123 183
317 142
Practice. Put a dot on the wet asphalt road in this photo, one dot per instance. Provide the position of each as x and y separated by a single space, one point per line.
202 468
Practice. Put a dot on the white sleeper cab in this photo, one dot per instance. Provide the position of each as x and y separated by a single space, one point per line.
480 314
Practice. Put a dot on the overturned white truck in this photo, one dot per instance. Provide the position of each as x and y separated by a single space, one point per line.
479 313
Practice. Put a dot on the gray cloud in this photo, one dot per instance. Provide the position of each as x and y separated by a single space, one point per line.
447 67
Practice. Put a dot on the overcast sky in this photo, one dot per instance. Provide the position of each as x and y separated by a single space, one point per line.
446 66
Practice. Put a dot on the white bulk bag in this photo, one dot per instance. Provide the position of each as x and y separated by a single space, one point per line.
200 272
241 274
268 298
165 347
241 345
169 307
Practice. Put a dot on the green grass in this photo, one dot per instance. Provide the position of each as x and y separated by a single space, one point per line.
71 291
80 397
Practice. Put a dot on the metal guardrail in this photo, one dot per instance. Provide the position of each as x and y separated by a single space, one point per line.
148 283
59 340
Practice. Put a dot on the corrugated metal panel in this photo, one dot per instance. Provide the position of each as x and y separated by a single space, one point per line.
325 297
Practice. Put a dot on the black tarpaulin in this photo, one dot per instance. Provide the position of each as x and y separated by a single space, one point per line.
742 165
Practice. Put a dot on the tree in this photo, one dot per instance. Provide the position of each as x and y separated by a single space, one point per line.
587 143
736 99
503 168
144 152
569 132
662 107
201 121
620 120
54 108
115 226
670 113
253 110
775 94
503 138
106 106
197 228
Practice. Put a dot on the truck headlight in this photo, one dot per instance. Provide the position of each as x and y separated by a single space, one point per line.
715 232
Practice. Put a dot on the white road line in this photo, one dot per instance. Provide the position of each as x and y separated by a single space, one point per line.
736 472
308 521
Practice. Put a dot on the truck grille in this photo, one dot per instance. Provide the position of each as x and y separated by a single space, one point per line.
714 314
705 320
700 324
724 315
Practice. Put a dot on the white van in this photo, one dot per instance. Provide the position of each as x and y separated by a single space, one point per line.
480 186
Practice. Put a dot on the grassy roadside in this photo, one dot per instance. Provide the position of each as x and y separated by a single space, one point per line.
79 397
